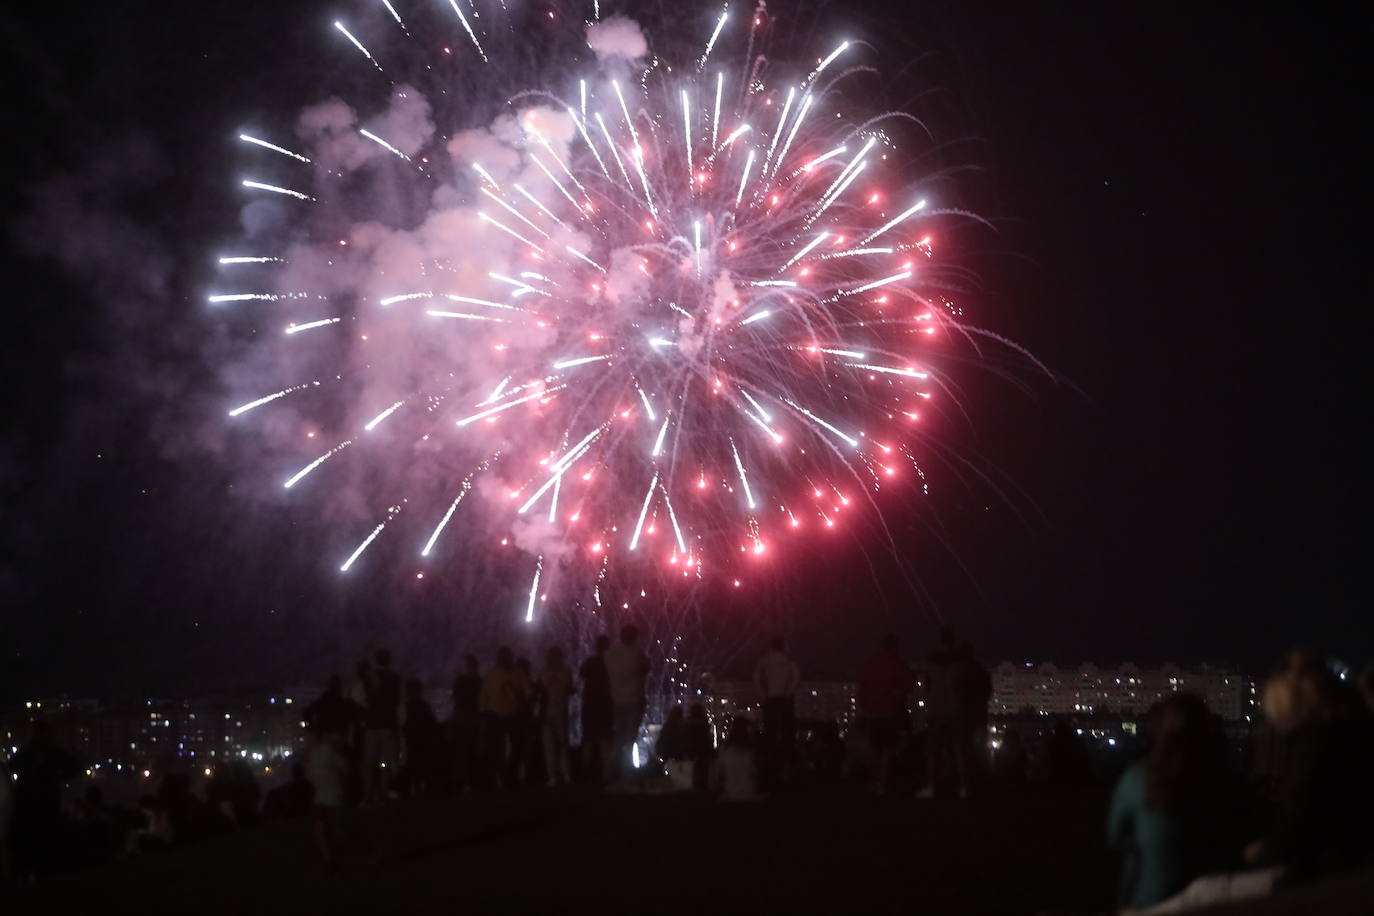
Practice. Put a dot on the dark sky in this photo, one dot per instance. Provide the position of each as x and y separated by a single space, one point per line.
1178 237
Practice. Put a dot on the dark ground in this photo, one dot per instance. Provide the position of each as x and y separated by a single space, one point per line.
825 851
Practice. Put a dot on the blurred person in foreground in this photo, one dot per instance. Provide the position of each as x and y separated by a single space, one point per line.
1324 823
1175 814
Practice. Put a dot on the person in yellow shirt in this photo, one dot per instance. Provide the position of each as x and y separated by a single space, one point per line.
505 689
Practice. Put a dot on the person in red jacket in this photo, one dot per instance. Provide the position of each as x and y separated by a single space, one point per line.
885 682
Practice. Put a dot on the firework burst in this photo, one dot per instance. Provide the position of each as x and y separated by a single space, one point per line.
662 316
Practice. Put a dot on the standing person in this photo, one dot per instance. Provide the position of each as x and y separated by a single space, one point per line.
556 686
672 749
466 723
884 683
354 744
504 691
381 742
326 767
332 712
421 733
529 748
699 746
943 731
972 690
776 676
6 821
626 669
596 712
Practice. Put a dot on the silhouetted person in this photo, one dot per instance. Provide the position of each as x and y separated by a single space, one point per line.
626 669
672 748
736 776
1326 798
597 713
6 821
40 768
945 756
504 691
381 743
294 799
884 684
233 790
1175 812
422 740
333 713
101 827
1066 756
185 818
700 747
972 690
466 723
529 751
555 683
777 677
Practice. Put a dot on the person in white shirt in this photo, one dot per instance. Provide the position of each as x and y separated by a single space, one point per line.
327 770
776 676
626 668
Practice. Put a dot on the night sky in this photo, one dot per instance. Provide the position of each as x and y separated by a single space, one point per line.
1179 237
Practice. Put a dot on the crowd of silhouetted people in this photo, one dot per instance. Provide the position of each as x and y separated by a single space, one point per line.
1191 827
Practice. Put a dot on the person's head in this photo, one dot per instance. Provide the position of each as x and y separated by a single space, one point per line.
966 649
414 689
298 772
698 711
1302 690
554 657
363 667
890 643
629 634
382 658
470 664
334 686
675 714
741 734
523 664
1183 752
505 658
947 637
603 642
95 796
777 644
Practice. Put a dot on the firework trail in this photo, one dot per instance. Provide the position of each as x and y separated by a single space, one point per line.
660 316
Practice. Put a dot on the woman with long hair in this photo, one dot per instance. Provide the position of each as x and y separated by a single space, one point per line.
1171 811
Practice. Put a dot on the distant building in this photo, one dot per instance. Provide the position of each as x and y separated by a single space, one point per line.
1086 690
1126 689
